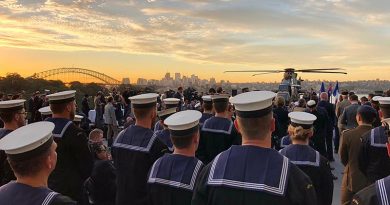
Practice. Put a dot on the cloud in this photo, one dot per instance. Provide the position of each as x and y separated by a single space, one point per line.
246 32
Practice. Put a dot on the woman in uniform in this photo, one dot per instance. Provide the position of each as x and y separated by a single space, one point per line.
306 158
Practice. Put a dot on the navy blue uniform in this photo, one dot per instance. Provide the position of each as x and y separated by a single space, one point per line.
375 194
205 116
285 141
15 193
74 159
134 151
252 175
165 137
158 126
6 173
316 167
374 161
217 134
172 179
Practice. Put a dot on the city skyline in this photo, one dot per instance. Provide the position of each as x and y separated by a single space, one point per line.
147 38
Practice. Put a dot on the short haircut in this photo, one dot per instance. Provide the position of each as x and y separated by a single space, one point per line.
94 134
364 99
110 99
29 167
220 106
279 101
58 108
301 102
8 116
207 106
255 128
371 95
182 142
353 97
142 113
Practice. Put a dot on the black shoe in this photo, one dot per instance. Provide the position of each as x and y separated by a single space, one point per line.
331 159
332 168
336 151
334 177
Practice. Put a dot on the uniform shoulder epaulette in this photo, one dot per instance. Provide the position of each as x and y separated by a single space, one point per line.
345 131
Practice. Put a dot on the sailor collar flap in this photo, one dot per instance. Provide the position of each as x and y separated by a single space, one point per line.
136 138
176 171
250 168
61 125
218 125
378 137
382 188
302 155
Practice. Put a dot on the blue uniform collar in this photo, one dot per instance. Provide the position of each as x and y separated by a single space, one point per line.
302 155
176 171
378 137
4 132
382 187
218 125
61 125
165 137
285 141
250 168
135 138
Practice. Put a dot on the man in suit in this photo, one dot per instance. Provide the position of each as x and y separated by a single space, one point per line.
353 179
340 106
110 120
332 117
347 119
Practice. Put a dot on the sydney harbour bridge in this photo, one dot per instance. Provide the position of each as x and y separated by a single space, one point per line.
76 74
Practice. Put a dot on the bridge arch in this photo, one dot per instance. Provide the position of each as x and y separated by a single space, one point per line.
97 75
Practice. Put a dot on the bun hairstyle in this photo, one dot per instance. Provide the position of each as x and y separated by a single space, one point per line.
299 133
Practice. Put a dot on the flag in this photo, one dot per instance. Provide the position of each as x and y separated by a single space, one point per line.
322 87
336 91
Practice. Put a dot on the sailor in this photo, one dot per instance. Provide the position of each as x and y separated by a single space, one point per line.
45 112
75 161
218 133
31 152
285 141
135 150
207 109
321 127
373 158
306 158
377 193
253 173
13 115
169 103
172 177
163 134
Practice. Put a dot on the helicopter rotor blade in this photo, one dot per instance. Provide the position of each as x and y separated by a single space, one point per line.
320 69
265 73
253 71
314 71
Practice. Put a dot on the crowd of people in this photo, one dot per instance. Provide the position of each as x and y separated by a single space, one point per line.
190 148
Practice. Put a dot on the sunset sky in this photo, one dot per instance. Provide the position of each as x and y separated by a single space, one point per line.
147 38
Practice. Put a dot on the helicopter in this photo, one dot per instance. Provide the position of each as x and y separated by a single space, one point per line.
290 87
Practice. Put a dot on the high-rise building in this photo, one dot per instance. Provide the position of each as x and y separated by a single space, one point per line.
177 76
142 81
126 81
167 75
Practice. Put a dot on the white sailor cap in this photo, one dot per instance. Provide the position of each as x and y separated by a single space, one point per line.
62 97
302 119
28 141
147 100
45 110
78 118
384 102
11 105
206 98
376 98
311 103
171 101
163 114
183 123
220 98
254 104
